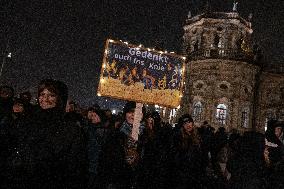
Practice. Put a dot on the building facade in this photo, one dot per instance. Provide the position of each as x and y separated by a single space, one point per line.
225 82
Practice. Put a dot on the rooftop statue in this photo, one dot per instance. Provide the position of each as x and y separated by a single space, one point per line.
235 6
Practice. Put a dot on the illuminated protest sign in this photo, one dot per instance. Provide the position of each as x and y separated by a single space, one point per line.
138 74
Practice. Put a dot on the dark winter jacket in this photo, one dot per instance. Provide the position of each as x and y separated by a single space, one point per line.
55 151
97 136
113 167
188 168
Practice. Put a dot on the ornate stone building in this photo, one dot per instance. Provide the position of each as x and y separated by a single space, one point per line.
225 82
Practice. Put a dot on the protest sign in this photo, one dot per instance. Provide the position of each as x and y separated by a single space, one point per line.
142 75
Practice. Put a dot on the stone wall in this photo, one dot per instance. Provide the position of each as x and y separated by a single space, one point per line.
270 99
214 82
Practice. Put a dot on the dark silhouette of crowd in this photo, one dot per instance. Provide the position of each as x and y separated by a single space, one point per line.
54 144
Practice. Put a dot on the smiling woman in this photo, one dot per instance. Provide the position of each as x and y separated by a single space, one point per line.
53 148
52 94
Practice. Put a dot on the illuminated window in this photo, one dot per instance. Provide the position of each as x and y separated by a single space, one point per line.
221 113
197 110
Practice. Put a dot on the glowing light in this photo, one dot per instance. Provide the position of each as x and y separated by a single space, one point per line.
184 58
140 45
111 40
126 43
113 111
99 94
172 52
9 55
102 80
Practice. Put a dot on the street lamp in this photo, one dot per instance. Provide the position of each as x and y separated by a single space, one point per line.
7 54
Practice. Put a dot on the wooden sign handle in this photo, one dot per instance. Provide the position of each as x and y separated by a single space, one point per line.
137 118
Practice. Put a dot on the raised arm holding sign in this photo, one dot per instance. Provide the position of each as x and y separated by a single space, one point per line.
137 118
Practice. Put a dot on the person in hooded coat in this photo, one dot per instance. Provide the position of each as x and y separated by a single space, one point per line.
97 134
247 165
53 151
188 165
117 166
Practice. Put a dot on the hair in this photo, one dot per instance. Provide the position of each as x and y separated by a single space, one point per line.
58 88
183 119
193 137
10 89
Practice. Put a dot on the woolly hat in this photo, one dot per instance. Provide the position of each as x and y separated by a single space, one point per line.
57 87
129 107
98 111
185 118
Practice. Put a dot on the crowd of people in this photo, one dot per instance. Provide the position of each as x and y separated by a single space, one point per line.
51 145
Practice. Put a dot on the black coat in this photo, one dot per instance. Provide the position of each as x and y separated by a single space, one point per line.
113 168
188 164
54 151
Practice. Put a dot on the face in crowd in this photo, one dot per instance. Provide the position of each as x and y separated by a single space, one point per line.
18 108
47 99
150 122
94 117
6 92
129 117
278 132
188 127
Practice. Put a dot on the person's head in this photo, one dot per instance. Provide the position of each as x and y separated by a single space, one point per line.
71 106
18 106
128 111
118 119
95 116
52 93
187 123
6 92
149 120
278 129
108 113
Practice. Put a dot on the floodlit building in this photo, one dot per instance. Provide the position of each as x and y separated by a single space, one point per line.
226 82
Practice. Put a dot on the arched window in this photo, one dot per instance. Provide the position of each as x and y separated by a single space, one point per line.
245 118
197 110
221 113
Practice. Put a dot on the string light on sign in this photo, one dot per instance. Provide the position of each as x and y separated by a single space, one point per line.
102 80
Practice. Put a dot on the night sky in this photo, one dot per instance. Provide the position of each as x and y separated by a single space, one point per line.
65 39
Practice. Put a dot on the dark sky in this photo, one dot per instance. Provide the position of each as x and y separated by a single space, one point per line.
65 39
